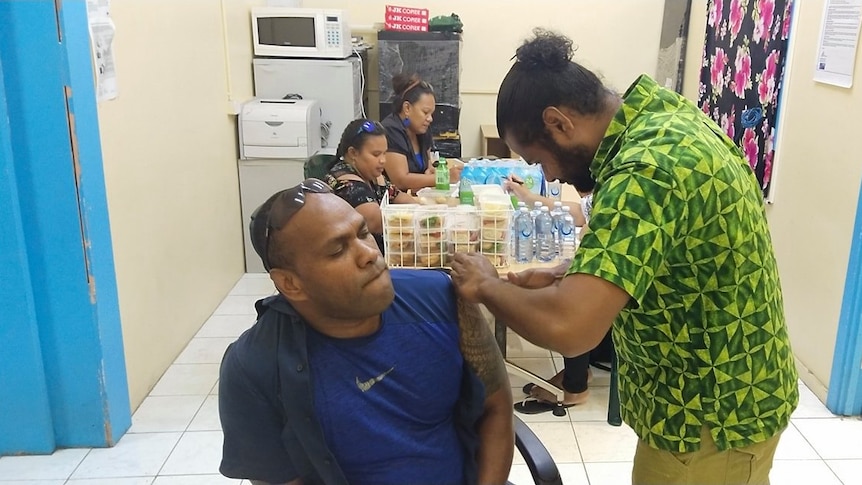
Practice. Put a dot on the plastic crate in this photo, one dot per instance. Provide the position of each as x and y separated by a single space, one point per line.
428 236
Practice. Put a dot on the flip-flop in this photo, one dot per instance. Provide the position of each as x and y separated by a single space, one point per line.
534 406
528 387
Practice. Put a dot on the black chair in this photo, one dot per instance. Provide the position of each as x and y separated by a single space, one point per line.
539 461
318 165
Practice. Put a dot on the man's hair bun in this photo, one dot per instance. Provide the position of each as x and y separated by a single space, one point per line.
546 51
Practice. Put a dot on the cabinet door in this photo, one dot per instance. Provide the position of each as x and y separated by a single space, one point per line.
258 180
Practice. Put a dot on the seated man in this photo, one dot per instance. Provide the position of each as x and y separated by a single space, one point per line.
355 374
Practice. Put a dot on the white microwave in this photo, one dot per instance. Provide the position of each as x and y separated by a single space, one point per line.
300 32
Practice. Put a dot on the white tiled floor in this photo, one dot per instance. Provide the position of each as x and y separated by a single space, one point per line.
175 437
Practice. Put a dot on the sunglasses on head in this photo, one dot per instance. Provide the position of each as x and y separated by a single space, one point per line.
368 127
285 206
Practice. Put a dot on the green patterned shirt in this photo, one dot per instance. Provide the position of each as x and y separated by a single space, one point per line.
678 222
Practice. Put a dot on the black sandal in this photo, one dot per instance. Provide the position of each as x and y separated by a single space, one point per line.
535 406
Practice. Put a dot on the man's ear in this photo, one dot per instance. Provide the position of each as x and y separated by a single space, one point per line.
557 123
288 284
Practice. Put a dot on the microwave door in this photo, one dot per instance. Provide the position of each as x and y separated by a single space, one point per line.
287 31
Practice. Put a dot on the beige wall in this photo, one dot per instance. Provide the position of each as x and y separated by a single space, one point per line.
170 145
170 151
170 169
619 39
816 186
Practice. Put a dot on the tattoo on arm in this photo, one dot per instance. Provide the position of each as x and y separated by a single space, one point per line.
480 349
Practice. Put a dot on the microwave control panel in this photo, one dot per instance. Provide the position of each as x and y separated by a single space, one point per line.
333 32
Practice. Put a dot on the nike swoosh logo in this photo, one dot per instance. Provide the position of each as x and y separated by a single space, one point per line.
364 386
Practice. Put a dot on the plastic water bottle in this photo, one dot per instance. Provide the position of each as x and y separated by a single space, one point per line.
555 189
534 213
568 235
523 236
545 248
442 180
465 192
537 207
513 234
557 215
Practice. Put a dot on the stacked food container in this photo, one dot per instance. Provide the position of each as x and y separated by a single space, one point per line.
429 234
495 213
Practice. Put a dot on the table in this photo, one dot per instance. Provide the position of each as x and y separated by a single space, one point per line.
500 330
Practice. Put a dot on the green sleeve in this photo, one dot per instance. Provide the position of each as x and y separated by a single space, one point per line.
634 213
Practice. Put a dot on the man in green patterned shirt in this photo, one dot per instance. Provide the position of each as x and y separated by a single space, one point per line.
678 261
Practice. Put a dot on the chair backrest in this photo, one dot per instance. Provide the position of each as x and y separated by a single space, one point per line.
538 459
318 165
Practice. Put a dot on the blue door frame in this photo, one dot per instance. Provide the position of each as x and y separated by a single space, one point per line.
845 384
62 367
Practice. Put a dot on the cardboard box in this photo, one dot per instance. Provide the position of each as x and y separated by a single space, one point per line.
406 19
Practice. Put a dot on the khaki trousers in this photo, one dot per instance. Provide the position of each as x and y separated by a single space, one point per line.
708 466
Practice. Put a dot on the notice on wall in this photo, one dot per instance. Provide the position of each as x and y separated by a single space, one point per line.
102 43
839 42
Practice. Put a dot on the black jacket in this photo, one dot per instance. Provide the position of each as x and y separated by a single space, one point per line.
399 142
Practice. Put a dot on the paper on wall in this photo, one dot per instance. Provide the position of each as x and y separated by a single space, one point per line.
839 40
102 41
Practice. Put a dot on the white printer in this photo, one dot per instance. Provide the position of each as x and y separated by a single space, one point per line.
279 128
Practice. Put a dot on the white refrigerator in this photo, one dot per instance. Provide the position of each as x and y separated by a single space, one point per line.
336 84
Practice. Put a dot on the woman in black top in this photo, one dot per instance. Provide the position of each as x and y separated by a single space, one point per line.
407 162
357 176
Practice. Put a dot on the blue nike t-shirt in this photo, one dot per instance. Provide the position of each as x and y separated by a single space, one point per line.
385 402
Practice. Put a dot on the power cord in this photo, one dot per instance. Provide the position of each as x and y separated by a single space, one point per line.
325 128
361 83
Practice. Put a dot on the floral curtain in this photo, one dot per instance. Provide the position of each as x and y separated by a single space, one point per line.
741 78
